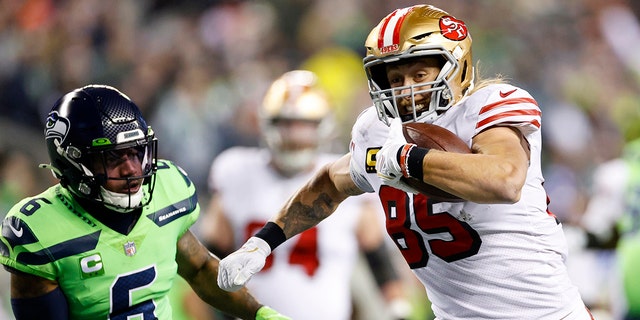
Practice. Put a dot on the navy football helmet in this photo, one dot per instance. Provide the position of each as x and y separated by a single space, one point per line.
87 125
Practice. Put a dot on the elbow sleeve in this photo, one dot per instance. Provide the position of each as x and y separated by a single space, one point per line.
52 306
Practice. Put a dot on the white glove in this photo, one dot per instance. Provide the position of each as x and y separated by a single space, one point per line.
237 268
387 165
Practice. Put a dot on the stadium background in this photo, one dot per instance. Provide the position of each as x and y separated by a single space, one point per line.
198 70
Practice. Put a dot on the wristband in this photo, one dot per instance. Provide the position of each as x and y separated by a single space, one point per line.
402 157
272 234
414 162
410 158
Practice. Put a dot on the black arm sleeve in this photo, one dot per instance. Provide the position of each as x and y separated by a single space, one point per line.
51 306
381 266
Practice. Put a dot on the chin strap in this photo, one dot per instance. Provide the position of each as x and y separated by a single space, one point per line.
56 173
121 202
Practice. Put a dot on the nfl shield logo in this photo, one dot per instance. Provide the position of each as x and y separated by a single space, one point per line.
130 248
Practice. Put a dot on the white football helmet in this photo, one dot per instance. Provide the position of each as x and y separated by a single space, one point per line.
296 118
415 32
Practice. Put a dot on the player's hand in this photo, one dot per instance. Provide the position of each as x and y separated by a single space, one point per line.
266 313
237 268
387 166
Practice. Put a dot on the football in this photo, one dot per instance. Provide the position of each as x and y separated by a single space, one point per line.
434 137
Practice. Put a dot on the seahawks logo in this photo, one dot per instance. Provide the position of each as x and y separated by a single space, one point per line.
57 127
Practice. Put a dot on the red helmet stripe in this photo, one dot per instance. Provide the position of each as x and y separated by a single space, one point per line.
384 28
390 30
396 31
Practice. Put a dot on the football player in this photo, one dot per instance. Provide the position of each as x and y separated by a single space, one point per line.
612 216
308 277
499 254
109 239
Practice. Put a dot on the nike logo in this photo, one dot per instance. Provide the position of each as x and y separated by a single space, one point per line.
18 233
505 94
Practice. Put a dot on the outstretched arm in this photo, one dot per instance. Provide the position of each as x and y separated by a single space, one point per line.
200 268
318 198
312 203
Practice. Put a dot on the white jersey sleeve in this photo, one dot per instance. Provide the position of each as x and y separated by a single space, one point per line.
367 137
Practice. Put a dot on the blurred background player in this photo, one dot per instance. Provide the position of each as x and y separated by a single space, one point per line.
310 276
612 223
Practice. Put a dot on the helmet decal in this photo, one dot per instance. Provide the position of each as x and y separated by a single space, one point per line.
56 127
82 128
419 32
453 29
131 135
100 142
389 37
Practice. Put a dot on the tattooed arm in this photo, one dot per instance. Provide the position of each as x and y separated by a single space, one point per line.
317 199
312 203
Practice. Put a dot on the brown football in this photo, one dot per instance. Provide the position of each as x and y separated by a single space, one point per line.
434 137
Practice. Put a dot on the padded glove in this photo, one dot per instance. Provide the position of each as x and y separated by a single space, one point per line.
387 166
237 268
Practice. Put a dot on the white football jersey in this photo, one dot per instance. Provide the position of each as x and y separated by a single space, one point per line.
477 261
308 276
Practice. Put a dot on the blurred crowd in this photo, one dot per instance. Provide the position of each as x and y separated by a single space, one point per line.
198 70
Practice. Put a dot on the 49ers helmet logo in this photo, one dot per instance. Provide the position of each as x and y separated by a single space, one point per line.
453 29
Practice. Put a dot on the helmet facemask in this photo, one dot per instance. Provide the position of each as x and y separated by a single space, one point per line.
295 120
145 152
439 91
294 143
419 32
86 132
86 174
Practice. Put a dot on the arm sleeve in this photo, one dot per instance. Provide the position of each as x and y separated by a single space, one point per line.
381 265
52 306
